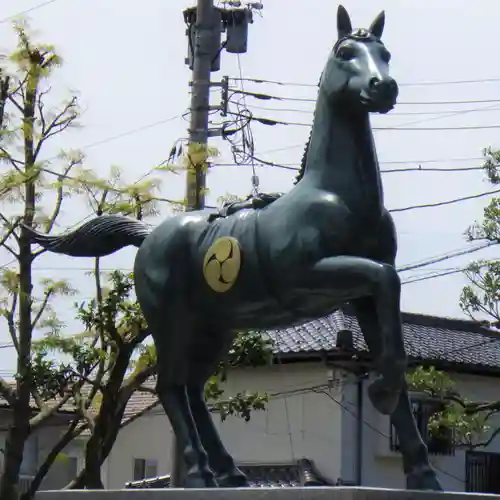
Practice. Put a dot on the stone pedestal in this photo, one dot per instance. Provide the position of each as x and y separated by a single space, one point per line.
309 493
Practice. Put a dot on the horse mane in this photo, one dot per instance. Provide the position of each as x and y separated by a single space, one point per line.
303 163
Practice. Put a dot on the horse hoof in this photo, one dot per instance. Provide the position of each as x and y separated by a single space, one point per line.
384 398
196 479
235 479
423 480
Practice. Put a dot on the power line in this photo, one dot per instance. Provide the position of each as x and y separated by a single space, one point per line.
430 277
27 11
295 166
447 256
404 84
383 162
393 113
375 429
447 202
267 97
272 122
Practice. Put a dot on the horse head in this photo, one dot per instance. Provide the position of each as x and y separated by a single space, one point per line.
357 70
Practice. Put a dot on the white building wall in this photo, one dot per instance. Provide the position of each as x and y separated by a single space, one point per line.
297 423
39 445
383 468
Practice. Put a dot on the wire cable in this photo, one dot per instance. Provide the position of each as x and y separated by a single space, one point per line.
27 11
433 276
447 202
447 256
393 113
404 84
295 166
272 122
267 97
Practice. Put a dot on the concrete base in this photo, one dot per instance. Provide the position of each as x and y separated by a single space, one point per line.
309 493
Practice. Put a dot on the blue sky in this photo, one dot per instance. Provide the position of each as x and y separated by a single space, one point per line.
126 60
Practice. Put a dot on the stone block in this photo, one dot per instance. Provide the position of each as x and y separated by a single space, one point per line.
307 493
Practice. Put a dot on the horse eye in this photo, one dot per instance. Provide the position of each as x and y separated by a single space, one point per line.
385 55
346 53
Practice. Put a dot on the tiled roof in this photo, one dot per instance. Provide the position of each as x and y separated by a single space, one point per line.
139 402
283 475
427 338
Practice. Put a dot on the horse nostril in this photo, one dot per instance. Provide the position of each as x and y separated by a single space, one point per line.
374 82
384 88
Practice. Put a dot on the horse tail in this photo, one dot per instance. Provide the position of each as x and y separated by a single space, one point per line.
99 237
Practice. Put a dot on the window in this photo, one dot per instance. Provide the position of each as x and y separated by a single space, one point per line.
481 472
144 468
438 443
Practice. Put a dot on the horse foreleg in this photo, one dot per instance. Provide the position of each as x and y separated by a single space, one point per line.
419 473
348 278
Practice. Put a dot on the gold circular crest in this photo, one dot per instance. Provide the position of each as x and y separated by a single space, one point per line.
222 263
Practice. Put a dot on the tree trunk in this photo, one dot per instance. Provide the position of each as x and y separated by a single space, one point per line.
106 428
19 430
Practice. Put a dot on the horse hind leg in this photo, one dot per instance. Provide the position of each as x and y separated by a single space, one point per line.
210 348
172 342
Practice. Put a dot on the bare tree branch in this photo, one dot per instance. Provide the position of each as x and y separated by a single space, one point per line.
11 230
71 433
5 155
7 392
61 122
48 294
483 444
10 250
59 198
16 104
4 94
47 411
135 382
11 323
41 106
83 410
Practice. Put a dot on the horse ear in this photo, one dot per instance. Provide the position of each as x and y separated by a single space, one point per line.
377 27
344 26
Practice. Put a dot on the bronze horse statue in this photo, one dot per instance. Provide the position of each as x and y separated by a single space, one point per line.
302 255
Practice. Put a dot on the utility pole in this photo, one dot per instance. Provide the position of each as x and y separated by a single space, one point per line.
205 25
201 46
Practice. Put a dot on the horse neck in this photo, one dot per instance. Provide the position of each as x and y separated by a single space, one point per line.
341 156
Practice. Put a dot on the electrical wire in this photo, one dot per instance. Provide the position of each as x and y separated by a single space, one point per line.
447 202
393 113
433 276
267 97
404 84
27 11
272 122
295 166
373 428
386 162
446 256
